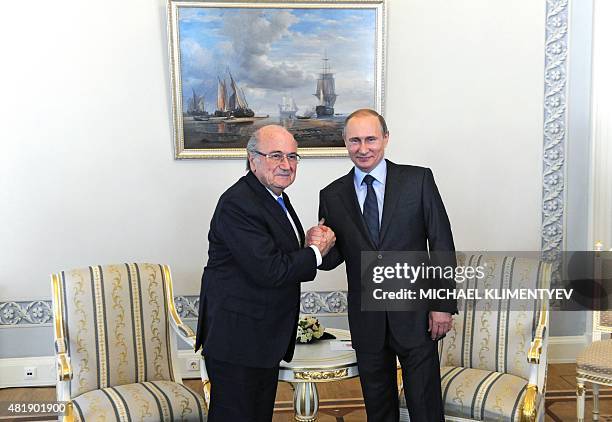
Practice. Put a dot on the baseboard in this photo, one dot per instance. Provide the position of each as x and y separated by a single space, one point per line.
12 370
565 349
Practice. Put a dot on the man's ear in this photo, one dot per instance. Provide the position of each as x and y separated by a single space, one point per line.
386 139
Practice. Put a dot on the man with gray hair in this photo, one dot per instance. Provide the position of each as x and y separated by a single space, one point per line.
250 293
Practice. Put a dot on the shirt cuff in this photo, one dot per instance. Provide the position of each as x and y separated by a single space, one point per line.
317 254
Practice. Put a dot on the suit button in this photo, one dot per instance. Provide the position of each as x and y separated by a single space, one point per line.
379 256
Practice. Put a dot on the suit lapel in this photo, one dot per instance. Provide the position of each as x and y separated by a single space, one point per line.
349 200
271 205
393 187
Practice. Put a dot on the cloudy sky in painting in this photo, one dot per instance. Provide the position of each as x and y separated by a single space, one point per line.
276 52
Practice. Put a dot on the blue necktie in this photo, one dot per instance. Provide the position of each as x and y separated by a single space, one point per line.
370 209
282 203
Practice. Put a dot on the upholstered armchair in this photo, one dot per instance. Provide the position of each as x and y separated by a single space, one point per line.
116 354
493 360
594 364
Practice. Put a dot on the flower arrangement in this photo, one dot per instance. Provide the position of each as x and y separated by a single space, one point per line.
309 330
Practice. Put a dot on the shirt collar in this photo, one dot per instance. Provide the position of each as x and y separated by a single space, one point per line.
275 196
379 173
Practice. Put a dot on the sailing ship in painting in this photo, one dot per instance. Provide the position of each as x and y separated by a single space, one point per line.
234 105
196 106
287 108
326 91
232 122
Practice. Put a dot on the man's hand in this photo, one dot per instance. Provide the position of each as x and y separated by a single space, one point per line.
322 237
439 324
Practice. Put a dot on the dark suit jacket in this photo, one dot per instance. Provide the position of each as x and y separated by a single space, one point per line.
413 217
250 293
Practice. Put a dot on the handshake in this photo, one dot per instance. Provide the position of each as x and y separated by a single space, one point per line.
322 237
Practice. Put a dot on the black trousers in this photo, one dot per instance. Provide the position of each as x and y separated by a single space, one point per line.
420 375
240 393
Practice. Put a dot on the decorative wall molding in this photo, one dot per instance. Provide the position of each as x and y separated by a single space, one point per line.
323 302
38 312
555 129
187 306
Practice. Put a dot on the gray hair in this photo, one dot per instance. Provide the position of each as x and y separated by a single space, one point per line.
251 147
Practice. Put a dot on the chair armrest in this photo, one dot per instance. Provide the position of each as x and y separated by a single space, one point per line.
528 413
182 330
64 369
62 389
535 350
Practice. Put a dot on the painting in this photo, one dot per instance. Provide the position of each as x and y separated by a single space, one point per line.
238 66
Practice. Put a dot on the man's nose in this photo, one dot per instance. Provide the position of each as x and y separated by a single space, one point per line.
284 163
362 148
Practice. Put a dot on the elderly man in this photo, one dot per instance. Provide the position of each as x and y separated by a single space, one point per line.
382 206
250 293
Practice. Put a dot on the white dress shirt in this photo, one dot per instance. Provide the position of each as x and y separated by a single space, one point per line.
379 173
297 235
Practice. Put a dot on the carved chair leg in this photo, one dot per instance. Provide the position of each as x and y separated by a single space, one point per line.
595 401
580 399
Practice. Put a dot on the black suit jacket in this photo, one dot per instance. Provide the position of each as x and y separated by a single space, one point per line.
413 218
250 293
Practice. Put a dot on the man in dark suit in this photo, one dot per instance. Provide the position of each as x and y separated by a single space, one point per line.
249 299
382 206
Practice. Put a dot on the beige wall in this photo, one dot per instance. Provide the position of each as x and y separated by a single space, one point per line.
87 173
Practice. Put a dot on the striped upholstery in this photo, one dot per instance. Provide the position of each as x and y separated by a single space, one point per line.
116 325
146 401
482 395
477 395
493 337
483 359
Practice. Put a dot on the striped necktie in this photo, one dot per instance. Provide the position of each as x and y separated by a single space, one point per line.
370 209
281 202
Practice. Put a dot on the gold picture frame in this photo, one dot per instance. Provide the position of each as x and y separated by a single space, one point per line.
236 66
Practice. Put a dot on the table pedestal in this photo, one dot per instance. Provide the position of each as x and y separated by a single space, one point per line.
305 401
323 361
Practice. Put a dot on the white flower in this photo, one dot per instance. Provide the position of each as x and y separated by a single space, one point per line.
309 328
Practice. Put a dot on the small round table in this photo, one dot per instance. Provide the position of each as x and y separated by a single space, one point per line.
313 363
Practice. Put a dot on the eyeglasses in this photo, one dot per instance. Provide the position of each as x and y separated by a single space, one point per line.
292 157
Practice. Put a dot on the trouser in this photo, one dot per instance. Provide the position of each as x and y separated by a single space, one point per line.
420 375
240 393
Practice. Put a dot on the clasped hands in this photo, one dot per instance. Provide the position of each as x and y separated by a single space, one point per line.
321 236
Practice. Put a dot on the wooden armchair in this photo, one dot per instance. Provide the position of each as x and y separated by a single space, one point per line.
493 361
116 354
594 364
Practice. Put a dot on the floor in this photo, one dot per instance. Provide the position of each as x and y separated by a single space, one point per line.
561 396
343 399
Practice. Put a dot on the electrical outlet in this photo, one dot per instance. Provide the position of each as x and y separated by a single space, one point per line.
29 373
193 364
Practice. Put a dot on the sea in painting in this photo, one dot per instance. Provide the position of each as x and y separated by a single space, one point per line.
234 133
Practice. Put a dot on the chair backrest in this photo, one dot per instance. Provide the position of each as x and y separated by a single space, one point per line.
492 335
115 323
602 320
